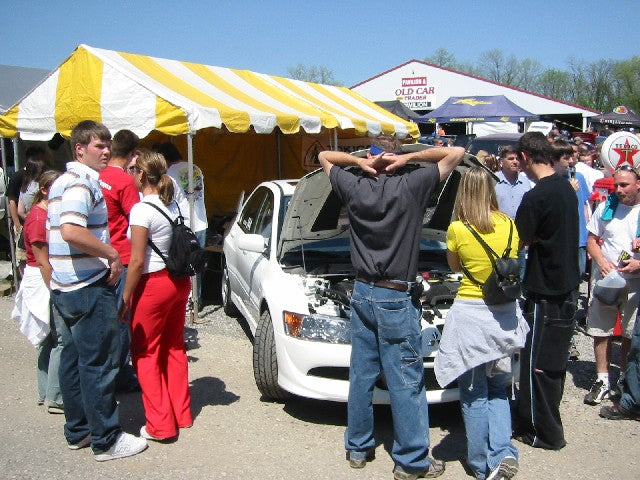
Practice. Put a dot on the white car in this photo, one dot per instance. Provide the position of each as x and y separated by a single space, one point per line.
287 270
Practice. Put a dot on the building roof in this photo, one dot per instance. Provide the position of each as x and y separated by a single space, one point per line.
16 82
425 86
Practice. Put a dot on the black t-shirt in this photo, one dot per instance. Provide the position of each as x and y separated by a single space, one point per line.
385 217
15 183
547 220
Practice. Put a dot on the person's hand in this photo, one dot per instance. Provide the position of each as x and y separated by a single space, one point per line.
635 245
116 268
606 267
631 265
376 164
574 183
17 229
125 312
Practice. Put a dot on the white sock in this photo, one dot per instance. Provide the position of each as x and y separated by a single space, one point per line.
605 378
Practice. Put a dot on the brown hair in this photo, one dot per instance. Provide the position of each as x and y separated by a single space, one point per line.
45 180
154 167
476 200
84 131
124 142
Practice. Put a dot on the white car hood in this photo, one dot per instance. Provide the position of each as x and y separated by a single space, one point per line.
314 212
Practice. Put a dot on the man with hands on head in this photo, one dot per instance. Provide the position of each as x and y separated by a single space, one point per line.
385 204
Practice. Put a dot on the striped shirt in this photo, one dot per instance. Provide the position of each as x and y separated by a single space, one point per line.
76 198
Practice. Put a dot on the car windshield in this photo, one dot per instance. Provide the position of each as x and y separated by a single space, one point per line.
491 146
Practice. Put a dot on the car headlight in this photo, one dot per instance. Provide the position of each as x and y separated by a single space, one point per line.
317 328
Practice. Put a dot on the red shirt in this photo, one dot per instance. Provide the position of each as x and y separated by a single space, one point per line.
35 230
120 194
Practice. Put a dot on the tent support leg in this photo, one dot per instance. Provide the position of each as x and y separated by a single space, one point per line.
10 232
194 306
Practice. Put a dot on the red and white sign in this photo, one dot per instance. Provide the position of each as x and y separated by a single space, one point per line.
620 148
416 93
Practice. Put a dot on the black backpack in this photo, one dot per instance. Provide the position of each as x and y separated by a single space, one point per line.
503 283
185 257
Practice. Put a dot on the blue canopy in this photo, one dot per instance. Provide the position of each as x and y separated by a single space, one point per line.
496 108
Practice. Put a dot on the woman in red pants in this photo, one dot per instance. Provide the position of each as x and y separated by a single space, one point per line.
155 302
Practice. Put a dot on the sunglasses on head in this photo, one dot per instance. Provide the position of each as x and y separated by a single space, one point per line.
625 167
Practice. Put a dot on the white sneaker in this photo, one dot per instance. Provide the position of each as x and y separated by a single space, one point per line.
125 445
147 435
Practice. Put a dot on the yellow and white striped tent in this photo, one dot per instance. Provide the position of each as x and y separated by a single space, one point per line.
156 98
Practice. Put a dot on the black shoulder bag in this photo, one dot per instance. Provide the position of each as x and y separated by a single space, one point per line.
503 283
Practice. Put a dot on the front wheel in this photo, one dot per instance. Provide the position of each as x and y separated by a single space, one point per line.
265 360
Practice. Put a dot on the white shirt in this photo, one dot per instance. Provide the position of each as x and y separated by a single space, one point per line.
180 173
618 233
160 231
589 174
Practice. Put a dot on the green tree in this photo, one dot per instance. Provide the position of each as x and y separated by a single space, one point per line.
313 73
443 58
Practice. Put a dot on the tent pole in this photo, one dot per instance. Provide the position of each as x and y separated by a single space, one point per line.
335 139
12 246
279 148
194 307
16 154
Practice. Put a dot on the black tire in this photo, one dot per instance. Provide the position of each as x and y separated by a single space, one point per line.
265 360
227 304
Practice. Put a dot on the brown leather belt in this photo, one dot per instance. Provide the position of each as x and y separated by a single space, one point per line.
401 287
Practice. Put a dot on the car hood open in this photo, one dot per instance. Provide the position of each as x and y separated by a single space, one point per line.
315 212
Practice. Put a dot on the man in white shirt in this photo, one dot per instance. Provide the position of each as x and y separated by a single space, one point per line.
179 171
584 165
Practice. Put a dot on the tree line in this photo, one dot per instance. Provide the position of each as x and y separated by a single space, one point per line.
599 84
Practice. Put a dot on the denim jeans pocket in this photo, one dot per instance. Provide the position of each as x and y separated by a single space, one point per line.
71 305
397 319
412 368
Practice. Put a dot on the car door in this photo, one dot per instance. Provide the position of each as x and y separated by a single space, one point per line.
263 226
253 219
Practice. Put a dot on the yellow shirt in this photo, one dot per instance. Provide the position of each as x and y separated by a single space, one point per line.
473 256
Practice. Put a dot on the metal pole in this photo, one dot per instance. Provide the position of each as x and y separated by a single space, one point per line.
194 280
12 246
335 139
279 147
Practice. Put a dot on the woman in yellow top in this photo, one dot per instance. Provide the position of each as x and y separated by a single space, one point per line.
479 339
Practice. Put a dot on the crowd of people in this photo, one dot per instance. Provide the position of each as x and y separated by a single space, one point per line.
95 298
98 302
539 212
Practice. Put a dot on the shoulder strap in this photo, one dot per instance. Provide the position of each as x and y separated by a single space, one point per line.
153 245
490 253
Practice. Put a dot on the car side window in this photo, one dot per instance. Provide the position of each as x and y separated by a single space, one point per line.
248 218
265 217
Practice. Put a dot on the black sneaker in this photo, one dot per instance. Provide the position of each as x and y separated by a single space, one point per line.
361 462
597 393
435 469
616 413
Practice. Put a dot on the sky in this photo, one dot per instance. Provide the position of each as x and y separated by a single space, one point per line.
354 39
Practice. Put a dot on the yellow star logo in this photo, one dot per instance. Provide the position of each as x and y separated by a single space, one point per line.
471 102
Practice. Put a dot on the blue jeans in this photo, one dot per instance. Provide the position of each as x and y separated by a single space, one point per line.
126 376
386 337
630 400
88 321
487 419
48 364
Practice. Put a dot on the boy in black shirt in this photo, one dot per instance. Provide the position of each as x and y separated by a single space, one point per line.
547 222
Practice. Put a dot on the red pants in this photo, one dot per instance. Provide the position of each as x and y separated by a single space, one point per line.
158 352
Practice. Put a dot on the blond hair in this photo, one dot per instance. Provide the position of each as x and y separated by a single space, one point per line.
476 200
154 167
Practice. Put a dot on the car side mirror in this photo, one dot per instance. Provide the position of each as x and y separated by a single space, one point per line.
252 242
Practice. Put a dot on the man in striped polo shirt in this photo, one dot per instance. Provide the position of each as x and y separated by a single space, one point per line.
84 269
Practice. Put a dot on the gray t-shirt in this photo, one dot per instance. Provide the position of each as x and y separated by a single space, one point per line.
385 217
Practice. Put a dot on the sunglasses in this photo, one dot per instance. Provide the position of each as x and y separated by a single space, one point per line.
133 169
625 167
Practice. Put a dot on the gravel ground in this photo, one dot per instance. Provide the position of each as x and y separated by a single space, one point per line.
238 435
